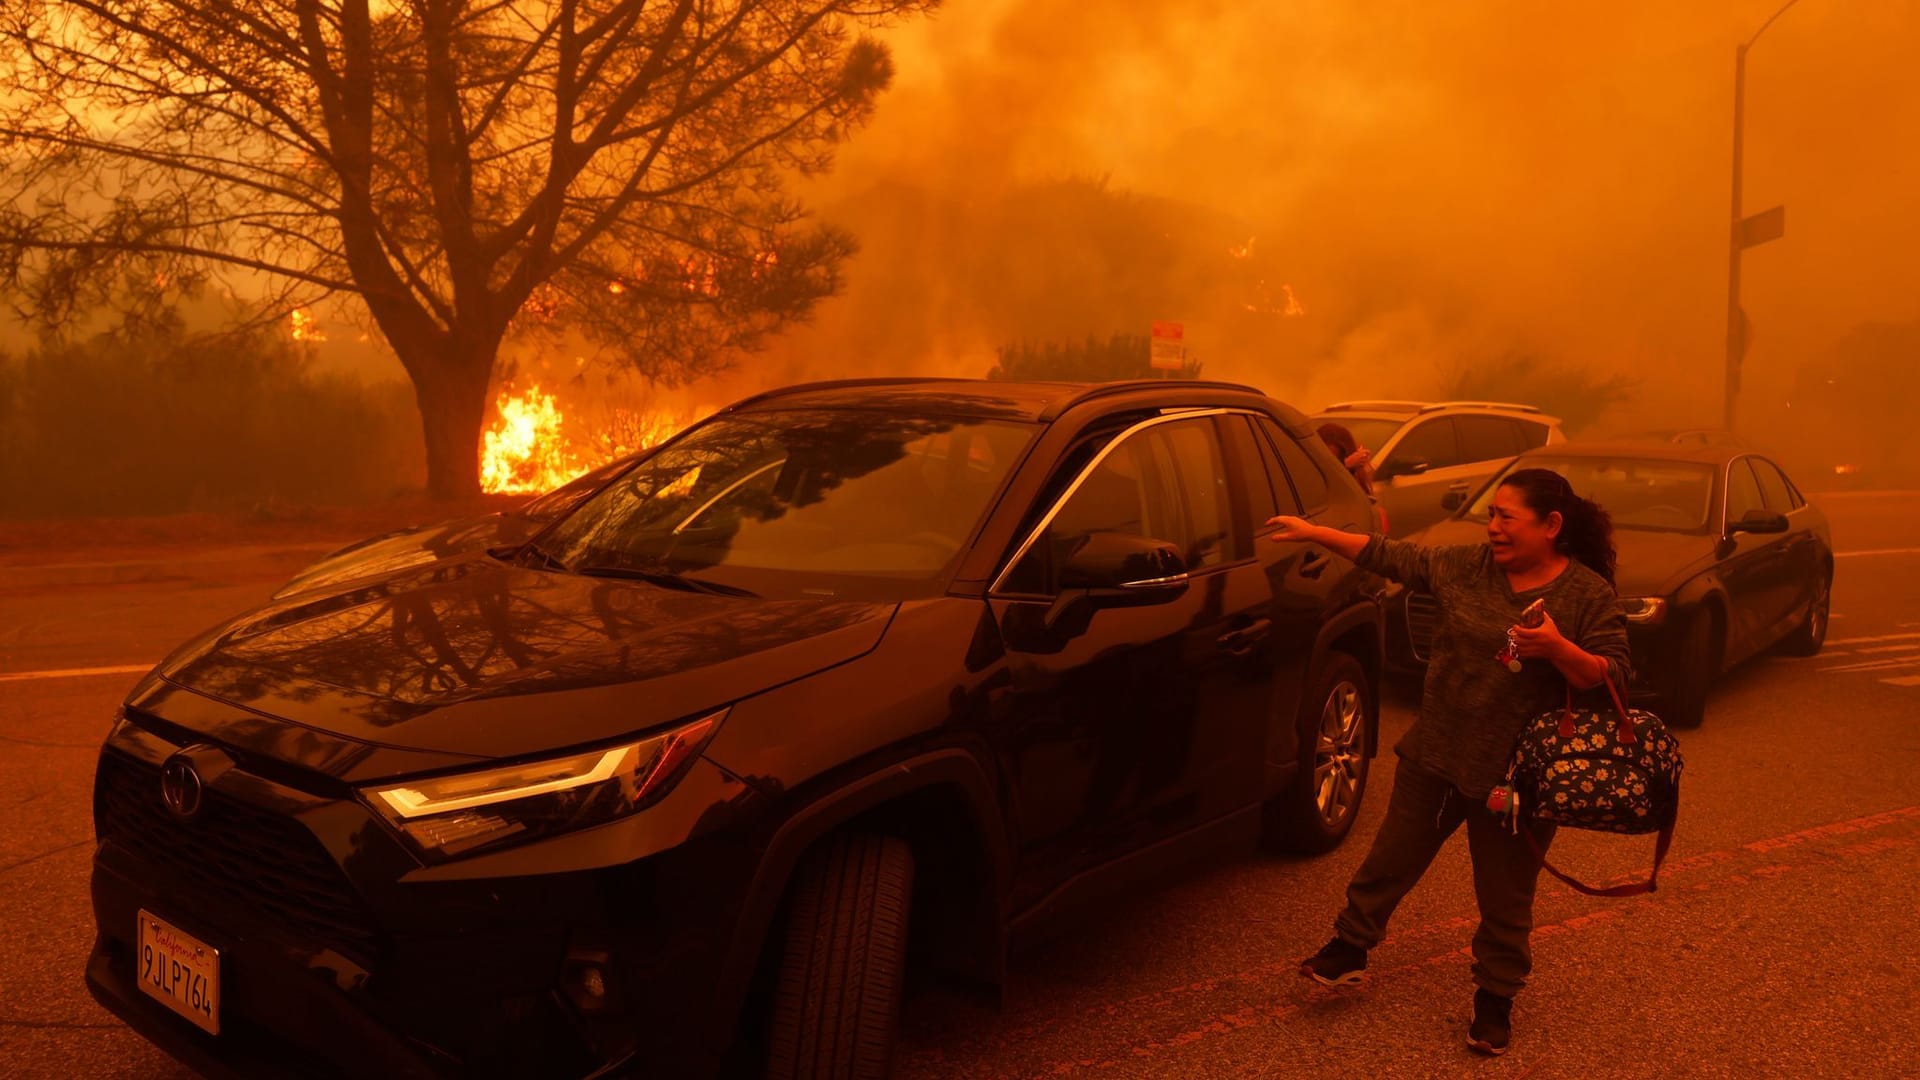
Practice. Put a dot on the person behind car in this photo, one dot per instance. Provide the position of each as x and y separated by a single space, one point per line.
1544 542
1358 460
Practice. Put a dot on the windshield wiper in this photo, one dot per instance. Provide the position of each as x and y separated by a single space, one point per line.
539 555
667 580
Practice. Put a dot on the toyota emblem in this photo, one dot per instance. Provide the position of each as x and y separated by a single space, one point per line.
180 787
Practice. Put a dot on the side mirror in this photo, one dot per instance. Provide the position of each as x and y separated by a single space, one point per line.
1758 521
1453 500
1398 467
1121 570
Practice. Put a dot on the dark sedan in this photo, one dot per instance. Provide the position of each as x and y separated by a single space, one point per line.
844 680
1721 558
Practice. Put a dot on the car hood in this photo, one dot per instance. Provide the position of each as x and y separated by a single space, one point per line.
409 547
474 657
1650 563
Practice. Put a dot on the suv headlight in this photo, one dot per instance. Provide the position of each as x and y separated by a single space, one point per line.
461 813
1644 609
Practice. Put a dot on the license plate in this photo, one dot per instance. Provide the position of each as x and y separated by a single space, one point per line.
180 971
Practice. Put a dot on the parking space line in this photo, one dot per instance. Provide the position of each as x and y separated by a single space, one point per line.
1891 648
1873 640
1904 680
1876 552
75 673
1878 665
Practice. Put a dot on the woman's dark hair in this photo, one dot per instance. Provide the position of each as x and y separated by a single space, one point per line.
1344 445
1586 529
1339 440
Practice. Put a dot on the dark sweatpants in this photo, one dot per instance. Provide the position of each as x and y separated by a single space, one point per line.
1423 811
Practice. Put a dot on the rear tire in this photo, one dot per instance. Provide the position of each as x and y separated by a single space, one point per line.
1318 809
837 996
1811 635
1699 664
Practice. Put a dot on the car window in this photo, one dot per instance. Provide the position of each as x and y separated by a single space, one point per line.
1431 441
1532 435
1773 487
1283 494
1793 489
1641 494
1743 491
1165 483
1309 483
1199 483
556 503
1486 438
800 499
1262 472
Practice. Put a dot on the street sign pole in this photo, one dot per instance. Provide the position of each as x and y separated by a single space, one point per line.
1736 320
1744 233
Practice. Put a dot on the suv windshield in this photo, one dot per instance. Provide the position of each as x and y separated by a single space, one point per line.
1663 496
821 498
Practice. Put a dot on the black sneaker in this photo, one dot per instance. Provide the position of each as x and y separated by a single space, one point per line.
1492 1023
1336 964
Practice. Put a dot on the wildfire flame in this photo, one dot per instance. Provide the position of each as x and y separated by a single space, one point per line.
304 328
1243 251
531 448
522 452
1294 306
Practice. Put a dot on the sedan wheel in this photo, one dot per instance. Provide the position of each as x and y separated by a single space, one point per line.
1699 662
1808 638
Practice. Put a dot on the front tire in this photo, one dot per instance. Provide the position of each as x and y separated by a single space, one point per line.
837 997
1699 664
1318 809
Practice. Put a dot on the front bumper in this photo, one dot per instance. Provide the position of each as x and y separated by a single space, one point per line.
336 960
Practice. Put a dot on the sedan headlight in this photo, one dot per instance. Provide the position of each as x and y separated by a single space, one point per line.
1644 609
461 813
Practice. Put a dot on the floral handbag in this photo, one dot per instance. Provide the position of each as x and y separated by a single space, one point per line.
1613 771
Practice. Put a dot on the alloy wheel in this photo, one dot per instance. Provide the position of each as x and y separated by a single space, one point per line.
1340 753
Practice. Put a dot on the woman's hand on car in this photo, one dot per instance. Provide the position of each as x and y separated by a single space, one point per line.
1358 458
1292 529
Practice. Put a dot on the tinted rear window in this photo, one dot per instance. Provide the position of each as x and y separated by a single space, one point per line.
1308 483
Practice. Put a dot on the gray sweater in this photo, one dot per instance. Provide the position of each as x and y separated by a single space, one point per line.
1473 708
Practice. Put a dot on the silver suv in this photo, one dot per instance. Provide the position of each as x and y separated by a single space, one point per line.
1423 451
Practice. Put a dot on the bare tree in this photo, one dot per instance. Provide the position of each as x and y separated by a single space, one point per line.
469 170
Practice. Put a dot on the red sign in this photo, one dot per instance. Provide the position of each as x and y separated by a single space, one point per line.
1169 346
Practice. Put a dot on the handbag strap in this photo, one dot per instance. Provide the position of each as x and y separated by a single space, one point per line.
1652 884
1626 730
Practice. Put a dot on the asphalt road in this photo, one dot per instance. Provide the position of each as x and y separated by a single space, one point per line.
1782 943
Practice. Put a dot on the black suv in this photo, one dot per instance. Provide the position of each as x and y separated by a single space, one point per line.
847 678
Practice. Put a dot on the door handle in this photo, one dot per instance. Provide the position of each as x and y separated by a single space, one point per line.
1313 564
1458 485
1241 642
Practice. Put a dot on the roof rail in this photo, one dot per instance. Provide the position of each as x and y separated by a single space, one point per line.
1503 406
831 384
1108 389
1344 406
